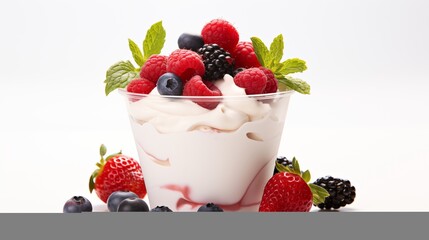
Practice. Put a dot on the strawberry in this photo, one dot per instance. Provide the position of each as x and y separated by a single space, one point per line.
289 191
116 173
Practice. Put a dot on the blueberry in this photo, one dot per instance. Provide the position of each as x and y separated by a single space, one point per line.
77 204
161 209
210 207
190 41
236 71
117 197
133 205
170 84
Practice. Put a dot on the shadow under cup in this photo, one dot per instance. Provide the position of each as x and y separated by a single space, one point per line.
196 150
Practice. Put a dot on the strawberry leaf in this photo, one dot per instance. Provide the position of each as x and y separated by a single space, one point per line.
282 168
91 180
276 50
103 150
295 166
306 176
319 194
137 54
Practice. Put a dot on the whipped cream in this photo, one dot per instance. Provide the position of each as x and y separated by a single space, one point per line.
173 115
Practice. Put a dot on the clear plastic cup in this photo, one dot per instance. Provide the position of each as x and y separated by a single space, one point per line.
191 155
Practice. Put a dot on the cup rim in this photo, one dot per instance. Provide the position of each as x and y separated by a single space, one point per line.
278 94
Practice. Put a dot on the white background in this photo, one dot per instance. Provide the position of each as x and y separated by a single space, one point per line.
366 120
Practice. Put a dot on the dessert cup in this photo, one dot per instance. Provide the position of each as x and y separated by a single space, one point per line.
196 150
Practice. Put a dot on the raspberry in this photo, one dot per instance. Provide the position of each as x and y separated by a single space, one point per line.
253 80
222 33
272 82
197 87
185 64
245 56
154 67
140 85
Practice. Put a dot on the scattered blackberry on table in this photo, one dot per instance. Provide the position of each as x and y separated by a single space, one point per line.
217 61
161 209
283 161
341 192
210 207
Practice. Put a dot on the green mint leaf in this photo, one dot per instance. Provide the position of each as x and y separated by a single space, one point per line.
295 84
119 75
137 54
306 176
261 51
276 49
292 65
319 194
154 40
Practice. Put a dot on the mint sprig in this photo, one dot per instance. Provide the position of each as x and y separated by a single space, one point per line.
271 59
137 54
154 41
121 73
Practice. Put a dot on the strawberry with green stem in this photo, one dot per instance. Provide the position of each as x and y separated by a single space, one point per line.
116 172
289 191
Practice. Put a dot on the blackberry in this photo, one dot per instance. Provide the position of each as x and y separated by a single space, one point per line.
217 61
341 192
283 161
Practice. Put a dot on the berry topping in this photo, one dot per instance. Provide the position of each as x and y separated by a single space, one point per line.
341 192
116 173
161 209
190 41
170 84
140 85
288 191
253 80
185 64
245 56
154 67
117 197
197 87
77 204
133 205
220 32
272 82
210 207
217 61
